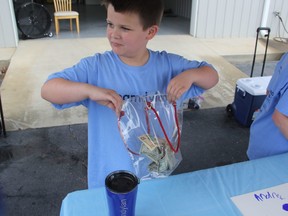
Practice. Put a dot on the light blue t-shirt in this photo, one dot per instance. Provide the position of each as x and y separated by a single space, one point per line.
106 150
265 138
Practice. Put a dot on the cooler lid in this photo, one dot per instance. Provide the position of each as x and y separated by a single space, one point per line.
254 85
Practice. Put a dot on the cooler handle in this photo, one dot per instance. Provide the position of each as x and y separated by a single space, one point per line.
244 92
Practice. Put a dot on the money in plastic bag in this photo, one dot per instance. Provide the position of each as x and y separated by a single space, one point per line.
151 127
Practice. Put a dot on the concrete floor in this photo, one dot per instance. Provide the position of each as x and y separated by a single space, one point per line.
44 156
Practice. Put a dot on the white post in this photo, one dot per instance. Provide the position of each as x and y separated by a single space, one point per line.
194 17
264 19
8 27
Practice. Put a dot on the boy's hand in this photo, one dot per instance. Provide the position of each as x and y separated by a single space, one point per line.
205 77
178 86
107 97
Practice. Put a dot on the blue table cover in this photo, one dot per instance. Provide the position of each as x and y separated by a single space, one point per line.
204 192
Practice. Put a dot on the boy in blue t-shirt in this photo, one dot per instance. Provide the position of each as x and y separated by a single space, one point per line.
102 81
269 131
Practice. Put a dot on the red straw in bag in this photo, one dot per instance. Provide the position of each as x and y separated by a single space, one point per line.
150 107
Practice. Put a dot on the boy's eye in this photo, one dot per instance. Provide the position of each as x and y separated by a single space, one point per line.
110 25
126 29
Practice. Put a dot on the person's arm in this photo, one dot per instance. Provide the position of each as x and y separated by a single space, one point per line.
281 121
61 91
205 77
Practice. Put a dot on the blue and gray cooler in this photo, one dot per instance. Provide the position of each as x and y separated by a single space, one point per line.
249 96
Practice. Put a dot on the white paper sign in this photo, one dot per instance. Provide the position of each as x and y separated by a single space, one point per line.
269 202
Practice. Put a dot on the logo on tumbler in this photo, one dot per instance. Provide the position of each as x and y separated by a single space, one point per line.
123 207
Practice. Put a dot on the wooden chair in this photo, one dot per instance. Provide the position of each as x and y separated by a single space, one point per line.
63 10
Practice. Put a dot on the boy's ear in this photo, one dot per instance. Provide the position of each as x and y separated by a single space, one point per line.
152 31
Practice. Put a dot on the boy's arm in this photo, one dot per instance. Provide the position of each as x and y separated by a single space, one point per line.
205 77
61 91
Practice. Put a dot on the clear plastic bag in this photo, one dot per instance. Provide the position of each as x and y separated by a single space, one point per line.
151 130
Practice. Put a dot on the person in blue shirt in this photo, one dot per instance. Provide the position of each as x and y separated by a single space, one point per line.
101 82
269 131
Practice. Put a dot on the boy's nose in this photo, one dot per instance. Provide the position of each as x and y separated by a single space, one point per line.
115 34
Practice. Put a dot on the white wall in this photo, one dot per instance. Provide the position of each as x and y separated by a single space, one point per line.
272 21
234 18
8 28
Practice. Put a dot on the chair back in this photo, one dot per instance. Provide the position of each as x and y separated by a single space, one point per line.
62 5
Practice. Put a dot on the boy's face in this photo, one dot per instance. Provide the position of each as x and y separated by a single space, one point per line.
126 35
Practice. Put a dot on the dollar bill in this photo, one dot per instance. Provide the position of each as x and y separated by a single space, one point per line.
153 167
154 155
162 157
149 141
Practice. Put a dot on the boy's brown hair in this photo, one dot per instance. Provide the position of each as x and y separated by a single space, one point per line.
149 11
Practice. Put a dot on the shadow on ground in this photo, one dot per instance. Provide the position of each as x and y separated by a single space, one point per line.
38 167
